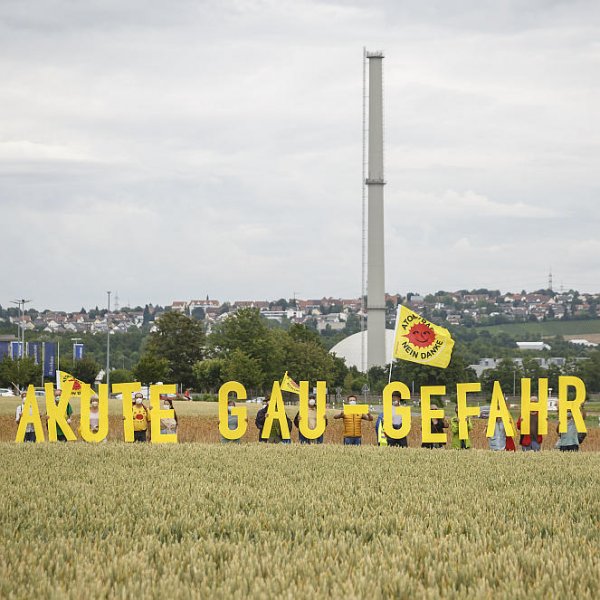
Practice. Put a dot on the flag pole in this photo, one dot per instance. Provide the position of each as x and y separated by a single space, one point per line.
398 307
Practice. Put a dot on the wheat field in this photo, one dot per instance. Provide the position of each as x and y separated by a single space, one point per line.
271 521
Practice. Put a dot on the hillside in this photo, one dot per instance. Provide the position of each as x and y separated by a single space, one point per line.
568 329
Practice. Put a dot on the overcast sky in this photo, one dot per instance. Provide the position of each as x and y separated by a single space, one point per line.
170 150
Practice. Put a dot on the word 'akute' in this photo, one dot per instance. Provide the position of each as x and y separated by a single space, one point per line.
567 385
57 413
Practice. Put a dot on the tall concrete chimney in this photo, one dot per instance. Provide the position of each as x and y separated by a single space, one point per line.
375 182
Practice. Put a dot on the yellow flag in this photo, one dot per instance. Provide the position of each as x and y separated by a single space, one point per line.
420 341
62 377
289 385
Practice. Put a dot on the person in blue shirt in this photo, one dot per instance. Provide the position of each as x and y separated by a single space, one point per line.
382 439
498 441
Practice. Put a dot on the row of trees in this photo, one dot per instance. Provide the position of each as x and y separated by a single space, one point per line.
248 348
242 347
509 374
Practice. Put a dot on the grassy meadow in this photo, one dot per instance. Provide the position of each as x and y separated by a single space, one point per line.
579 327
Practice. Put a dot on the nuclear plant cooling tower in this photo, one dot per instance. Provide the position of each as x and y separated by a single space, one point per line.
375 256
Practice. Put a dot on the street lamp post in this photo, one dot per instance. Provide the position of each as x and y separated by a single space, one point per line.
24 302
21 326
514 382
108 345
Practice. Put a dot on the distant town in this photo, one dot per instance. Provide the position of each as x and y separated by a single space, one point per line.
326 314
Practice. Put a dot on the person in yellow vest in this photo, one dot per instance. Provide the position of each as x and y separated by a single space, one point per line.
456 442
352 424
141 418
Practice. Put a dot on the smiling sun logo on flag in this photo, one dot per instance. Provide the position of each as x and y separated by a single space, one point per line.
421 335
418 340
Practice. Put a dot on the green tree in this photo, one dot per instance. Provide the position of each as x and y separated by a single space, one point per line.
120 376
533 370
244 369
151 369
553 373
339 372
589 371
378 379
304 360
354 381
180 340
246 331
245 335
20 372
301 333
85 369
208 374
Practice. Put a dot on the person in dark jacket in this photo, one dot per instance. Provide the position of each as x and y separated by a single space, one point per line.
275 436
437 426
261 415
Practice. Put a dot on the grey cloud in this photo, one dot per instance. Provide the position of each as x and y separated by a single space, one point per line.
216 147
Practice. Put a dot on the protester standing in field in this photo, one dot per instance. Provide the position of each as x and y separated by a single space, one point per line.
60 436
352 424
312 422
456 443
261 415
232 421
570 440
141 418
169 425
95 415
437 426
290 427
498 441
275 436
532 441
510 440
384 440
29 429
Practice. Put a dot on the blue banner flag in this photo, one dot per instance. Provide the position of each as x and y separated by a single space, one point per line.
50 359
4 349
77 351
16 350
34 350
